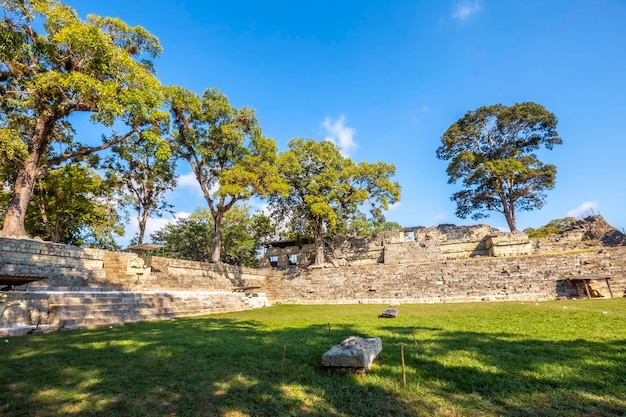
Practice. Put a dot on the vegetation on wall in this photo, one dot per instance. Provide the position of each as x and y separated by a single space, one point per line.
554 227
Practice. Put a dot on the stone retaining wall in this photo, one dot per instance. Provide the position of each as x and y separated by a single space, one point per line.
96 282
88 287
539 277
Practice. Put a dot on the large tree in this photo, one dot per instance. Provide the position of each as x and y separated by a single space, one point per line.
229 156
329 190
492 150
54 64
143 172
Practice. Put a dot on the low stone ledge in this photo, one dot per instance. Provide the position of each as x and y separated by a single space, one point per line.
354 352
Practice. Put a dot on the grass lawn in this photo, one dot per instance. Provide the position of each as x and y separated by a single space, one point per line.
560 358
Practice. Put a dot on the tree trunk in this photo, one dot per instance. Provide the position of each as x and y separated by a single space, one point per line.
142 219
511 220
318 240
22 192
217 237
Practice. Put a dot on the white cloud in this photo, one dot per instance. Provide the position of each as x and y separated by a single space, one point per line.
394 206
190 182
340 134
587 206
463 10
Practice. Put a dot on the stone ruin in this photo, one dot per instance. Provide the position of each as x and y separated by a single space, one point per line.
446 241
354 354
591 231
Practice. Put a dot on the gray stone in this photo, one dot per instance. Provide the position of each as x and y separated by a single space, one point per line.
353 352
389 313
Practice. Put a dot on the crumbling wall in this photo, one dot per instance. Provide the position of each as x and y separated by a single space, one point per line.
86 287
539 277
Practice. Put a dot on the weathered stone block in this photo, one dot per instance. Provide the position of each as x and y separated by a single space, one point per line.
353 352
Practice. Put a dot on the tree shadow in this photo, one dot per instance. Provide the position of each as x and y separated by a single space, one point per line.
223 367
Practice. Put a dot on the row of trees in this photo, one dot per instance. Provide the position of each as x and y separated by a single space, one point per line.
55 64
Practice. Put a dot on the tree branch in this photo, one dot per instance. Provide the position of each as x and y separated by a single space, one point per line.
83 151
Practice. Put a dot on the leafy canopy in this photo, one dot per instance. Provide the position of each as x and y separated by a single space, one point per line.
229 156
54 64
73 204
492 152
191 238
328 191
142 172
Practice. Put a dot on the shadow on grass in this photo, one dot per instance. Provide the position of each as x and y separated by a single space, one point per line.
223 367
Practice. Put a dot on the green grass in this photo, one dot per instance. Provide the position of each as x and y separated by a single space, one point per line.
561 358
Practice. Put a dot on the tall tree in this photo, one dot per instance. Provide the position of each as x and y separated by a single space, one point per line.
143 172
491 149
74 205
229 156
54 64
328 189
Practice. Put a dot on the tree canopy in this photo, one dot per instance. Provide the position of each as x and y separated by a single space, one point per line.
73 204
54 64
328 190
191 238
229 156
142 172
491 150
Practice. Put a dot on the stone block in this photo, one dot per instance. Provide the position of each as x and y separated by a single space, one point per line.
353 352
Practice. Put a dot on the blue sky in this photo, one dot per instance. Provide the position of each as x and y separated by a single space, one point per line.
385 79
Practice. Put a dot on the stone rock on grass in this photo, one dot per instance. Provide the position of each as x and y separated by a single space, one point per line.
354 352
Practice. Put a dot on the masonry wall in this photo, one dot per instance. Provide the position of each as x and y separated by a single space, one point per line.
86 287
540 277
68 268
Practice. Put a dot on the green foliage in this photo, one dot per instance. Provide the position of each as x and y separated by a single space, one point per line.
491 150
72 204
143 171
554 227
230 157
328 191
54 64
360 225
191 238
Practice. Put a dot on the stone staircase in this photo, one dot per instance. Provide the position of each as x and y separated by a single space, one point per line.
84 309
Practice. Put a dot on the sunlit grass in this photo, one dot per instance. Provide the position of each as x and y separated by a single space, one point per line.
561 358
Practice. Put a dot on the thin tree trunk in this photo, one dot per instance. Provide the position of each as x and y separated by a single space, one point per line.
217 237
142 219
318 240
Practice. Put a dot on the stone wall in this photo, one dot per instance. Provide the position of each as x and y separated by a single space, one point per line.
407 245
68 268
86 287
539 277
78 287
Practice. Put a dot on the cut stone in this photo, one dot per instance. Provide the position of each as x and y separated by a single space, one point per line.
389 313
353 352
